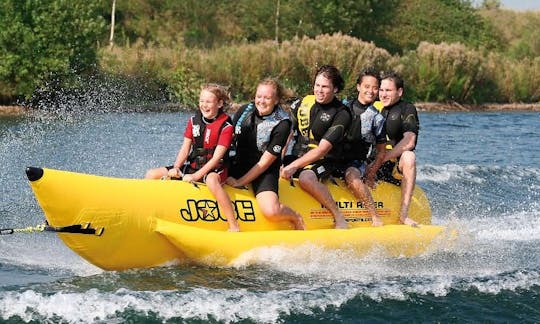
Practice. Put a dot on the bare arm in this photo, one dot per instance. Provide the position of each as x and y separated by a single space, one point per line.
181 158
371 170
407 143
311 156
213 163
286 146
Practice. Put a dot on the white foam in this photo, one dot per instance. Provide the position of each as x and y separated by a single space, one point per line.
258 305
521 226
448 172
473 173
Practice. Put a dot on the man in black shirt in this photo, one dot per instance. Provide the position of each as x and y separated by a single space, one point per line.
402 126
320 123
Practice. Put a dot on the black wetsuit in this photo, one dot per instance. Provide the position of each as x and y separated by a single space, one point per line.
326 121
255 135
400 118
368 129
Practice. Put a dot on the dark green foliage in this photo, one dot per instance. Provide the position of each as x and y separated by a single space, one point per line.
436 21
45 39
180 44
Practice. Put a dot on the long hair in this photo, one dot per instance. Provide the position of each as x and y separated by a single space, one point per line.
219 91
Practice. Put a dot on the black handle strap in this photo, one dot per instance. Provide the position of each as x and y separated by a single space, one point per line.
75 229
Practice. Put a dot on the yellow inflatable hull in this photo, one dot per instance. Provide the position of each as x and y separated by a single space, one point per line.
144 223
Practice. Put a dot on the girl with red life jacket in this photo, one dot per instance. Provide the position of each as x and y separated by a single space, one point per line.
207 138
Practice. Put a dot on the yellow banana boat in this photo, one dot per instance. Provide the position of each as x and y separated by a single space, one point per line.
117 223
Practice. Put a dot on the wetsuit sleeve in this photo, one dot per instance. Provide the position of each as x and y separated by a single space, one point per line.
278 138
188 133
410 122
226 135
341 123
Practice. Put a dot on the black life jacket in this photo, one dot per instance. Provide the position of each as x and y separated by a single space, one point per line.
265 127
304 139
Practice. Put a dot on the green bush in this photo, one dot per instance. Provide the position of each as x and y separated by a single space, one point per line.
241 66
433 72
46 40
443 72
515 80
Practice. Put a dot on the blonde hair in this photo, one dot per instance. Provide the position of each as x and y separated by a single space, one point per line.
221 92
281 92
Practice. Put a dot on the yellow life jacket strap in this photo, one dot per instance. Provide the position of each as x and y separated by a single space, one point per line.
303 115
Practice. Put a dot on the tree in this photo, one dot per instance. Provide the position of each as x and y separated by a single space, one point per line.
45 40
436 21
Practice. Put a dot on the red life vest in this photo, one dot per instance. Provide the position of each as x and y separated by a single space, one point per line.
206 138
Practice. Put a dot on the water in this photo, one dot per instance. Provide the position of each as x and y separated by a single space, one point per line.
481 172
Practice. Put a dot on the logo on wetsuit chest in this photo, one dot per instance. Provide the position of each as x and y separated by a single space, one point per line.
325 117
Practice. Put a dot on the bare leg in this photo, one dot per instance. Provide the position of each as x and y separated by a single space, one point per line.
156 173
309 183
361 191
224 202
276 212
407 163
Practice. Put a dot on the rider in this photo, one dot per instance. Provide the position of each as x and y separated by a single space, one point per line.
367 132
262 129
320 123
402 127
207 138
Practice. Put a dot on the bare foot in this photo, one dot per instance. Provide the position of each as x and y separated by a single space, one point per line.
408 221
341 225
376 221
233 229
299 223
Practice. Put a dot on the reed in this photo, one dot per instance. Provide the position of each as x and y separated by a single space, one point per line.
241 66
433 72
443 72
515 80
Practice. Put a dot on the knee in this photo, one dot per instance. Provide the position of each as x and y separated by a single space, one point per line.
408 160
352 176
307 178
270 210
212 180
152 174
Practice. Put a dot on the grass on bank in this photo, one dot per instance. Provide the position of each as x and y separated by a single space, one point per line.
433 72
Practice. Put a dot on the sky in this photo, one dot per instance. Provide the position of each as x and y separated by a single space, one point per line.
521 4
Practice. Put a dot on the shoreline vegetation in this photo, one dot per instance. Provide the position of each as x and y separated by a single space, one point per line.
422 106
58 52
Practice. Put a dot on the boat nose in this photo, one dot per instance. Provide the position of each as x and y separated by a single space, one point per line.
33 173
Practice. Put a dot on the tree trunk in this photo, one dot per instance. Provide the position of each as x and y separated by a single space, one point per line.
111 38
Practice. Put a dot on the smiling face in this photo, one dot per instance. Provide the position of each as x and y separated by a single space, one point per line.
368 89
323 89
265 99
209 104
389 94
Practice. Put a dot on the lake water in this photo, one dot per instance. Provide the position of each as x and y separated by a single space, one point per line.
481 172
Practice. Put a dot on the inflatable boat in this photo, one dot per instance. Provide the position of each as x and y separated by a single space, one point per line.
120 223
